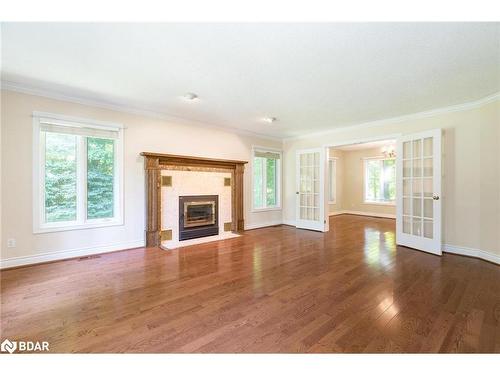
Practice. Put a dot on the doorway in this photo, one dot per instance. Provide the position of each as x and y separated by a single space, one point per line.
391 176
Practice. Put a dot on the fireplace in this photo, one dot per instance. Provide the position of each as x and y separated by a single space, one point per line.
198 216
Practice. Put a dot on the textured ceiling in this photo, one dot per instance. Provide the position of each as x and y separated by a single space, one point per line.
312 77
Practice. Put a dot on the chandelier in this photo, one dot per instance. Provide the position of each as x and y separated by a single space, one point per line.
389 151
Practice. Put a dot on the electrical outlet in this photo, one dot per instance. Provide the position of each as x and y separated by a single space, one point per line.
11 242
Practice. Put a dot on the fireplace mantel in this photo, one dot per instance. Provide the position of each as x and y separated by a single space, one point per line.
155 162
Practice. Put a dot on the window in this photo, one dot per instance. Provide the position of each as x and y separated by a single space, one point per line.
266 179
332 176
380 181
77 166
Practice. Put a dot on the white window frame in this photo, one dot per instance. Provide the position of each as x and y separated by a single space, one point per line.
365 180
81 222
264 181
332 159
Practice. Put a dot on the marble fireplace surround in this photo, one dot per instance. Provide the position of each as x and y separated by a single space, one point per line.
193 183
155 163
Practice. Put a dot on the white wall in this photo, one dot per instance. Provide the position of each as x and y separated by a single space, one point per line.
141 134
471 181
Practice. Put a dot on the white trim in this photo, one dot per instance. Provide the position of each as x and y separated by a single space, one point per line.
413 116
263 225
70 253
79 121
257 210
357 141
381 157
363 213
129 108
471 252
279 174
334 160
390 203
125 108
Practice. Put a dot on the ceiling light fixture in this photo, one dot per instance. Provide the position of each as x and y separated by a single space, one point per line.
389 151
190 97
269 120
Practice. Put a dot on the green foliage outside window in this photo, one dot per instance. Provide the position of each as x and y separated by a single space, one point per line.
100 180
380 180
271 182
264 171
60 177
257 182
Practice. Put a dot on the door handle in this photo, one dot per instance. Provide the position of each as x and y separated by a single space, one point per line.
435 197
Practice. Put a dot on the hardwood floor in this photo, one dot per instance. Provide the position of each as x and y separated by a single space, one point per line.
275 289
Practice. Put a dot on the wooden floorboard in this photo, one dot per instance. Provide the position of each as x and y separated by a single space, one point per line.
275 289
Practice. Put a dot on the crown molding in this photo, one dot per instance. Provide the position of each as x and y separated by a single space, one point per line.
124 108
51 94
414 116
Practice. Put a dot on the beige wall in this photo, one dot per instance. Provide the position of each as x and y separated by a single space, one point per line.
141 134
351 183
471 170
471 164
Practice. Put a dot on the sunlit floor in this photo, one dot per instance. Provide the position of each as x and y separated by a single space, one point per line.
275 289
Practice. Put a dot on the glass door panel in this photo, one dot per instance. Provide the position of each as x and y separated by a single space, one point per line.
419 185
310 190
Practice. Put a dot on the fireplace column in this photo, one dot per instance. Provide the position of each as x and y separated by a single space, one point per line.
238 198
153 201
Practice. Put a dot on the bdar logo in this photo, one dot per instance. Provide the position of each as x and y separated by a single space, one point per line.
8 346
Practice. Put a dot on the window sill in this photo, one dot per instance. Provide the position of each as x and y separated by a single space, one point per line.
380 203
255 210
332 202
111 223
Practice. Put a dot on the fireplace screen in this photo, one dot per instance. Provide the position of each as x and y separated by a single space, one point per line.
197 214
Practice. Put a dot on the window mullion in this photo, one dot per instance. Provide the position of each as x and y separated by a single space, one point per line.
264 182
381 181
81 180
42 213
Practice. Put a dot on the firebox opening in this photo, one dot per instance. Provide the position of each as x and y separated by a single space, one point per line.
198 216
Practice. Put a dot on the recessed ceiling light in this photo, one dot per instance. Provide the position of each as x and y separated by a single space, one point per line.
190 97
269 120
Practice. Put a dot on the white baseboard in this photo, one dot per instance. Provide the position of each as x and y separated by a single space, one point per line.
289 222
86 251
71 253
363 213
262 225
471 252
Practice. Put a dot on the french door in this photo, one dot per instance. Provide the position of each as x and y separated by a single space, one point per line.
310 202
418 216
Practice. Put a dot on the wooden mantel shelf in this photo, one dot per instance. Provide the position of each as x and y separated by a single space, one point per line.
170 159
155 162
